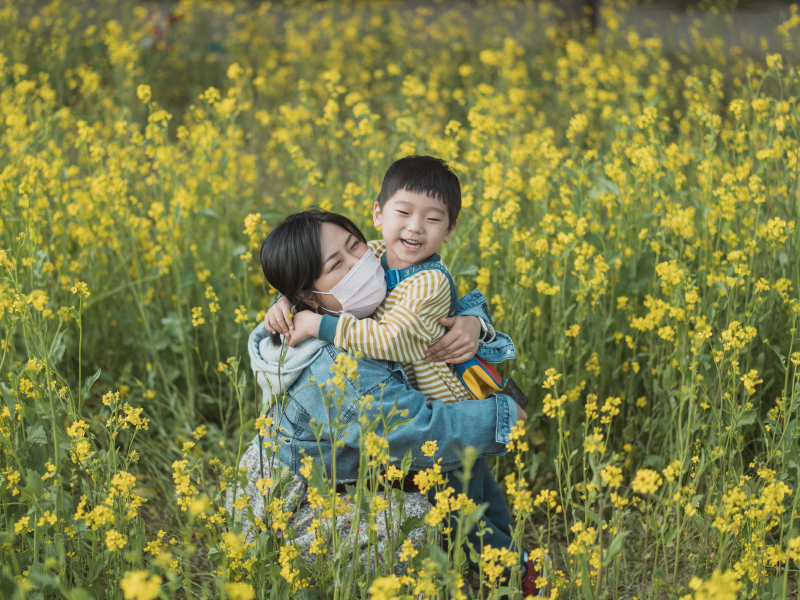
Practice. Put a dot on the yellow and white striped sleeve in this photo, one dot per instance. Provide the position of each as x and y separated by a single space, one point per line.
378 247
405 332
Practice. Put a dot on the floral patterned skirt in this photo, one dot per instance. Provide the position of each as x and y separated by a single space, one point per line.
304 522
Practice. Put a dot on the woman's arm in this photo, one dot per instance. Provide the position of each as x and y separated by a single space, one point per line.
482 424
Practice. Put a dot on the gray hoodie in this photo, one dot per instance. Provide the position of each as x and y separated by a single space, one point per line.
265 360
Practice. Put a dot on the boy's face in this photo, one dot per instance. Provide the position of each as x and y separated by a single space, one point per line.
414 226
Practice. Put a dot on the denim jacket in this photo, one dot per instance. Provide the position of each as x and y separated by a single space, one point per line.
496 346
482 424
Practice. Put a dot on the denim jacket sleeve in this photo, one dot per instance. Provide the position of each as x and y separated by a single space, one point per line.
499 346
482 424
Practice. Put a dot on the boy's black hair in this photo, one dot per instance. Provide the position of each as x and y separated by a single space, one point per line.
423 175
291 255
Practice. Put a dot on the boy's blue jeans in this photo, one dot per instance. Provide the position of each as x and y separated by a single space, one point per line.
482 488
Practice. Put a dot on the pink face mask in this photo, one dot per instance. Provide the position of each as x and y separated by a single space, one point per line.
362 290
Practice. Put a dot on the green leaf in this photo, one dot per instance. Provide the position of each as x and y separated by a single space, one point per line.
36 434
465 270
723 286
615 547
87 387
238 250
603 185
79 594
57 348
272 214
748 418
408 458
310 593
411 523
280 591
591 515
586 583
534 462
32 456
780 356
215 555
284 477
317 479
777 587
655 461
41 577
247 427
440 557
569 171
34 488
64 441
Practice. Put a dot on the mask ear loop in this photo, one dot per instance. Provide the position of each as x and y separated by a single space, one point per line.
327 310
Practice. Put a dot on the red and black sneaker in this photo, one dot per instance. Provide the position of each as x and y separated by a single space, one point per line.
528 584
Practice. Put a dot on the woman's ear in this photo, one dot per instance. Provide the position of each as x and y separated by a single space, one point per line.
449 233
307 297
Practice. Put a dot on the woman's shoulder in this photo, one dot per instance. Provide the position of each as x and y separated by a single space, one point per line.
310 392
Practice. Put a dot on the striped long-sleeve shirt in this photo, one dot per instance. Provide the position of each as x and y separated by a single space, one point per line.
403 327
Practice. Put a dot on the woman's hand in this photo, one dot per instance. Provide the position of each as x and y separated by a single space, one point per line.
521 414
279 317
306 325
459 344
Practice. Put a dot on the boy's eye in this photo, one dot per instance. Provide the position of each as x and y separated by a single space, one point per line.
402 212
434 220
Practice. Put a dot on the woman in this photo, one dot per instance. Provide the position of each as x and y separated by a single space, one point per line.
311 252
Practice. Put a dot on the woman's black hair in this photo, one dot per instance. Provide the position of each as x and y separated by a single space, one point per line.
291 255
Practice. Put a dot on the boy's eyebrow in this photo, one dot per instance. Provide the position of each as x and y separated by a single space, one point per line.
436 208
336 253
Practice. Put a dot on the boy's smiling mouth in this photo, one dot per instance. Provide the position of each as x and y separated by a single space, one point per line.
411 244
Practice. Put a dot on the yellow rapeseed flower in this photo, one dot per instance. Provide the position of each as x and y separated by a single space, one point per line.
646 481
140 585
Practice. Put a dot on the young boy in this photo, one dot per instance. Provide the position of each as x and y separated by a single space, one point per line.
417 211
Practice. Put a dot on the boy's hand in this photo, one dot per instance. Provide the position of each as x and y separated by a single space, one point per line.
279 317
306 325
459 344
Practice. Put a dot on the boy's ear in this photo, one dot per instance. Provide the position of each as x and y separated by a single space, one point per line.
307 297
376 215
449 233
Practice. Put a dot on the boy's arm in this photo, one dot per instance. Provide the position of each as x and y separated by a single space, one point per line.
378 247
405 332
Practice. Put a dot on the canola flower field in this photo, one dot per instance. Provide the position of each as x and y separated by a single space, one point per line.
630 209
